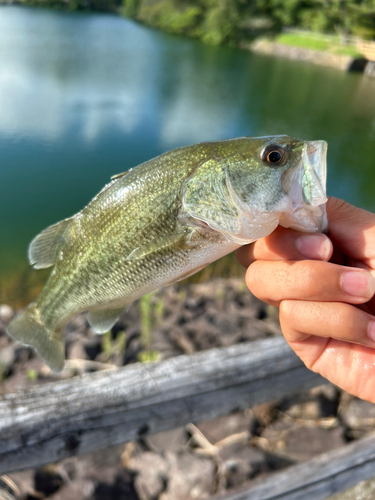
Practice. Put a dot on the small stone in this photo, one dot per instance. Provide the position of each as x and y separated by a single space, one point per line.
7 358
320 402
173 440
151 474
74 491
303 443
190 477
121 489
265 413
48 480
221 427
76 350
241 463
359 415
93 347
6 313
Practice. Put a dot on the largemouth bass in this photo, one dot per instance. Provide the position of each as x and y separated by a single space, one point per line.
165 220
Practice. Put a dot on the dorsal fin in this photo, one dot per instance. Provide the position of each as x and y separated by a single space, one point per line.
117 176
42 249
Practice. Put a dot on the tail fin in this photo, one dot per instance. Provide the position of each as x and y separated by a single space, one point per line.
29 328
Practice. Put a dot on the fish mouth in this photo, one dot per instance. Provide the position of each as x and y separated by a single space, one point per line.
306 187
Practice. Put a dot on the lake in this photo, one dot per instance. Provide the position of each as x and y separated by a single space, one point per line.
86 96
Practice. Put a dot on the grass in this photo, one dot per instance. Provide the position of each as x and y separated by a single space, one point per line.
305 42
315 42
151 311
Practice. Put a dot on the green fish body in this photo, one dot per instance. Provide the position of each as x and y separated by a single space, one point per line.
164 220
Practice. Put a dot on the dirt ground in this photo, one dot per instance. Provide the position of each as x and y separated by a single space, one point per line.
203 458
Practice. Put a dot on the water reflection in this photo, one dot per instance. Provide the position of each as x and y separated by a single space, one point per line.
85 96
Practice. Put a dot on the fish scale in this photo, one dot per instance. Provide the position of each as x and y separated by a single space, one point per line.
164 220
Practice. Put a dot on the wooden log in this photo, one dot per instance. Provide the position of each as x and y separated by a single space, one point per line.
318 478
54 421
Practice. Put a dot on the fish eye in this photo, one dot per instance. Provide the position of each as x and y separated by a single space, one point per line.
274 154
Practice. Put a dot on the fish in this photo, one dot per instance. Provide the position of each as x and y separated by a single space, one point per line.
163 221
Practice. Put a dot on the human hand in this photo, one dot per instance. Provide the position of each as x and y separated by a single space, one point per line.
326 308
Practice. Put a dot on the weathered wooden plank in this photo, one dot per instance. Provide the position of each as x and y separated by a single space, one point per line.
48 423
318 478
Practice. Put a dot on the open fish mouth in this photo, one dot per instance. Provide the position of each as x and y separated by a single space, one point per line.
306 186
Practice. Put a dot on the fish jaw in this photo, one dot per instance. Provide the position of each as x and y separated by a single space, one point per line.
306 187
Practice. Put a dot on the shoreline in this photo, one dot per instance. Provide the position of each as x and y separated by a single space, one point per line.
260 45
321 58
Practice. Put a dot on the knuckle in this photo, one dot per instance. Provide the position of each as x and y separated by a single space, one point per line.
253 277
307 278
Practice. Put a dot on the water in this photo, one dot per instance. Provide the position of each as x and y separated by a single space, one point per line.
86 96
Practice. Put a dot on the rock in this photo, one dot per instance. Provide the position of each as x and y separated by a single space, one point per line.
76 350
23 353
122 489
304 443
75 491
265 413
7 358
6 313
297 443
48 480
190 477
241 462
173 440
359 416
221 427
320 402
93 347
151 475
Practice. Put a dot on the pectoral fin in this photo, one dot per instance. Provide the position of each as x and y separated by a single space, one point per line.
103 319
159 244
207 197
42 249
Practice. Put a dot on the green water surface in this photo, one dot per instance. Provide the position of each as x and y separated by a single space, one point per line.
85 96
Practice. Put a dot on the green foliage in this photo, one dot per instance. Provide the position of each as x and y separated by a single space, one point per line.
314 20
236 21
305 42
151 309
170 16
89 5
111 346
31 374
129 8
221 23
310 41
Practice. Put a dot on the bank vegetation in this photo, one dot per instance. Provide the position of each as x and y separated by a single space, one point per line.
235 22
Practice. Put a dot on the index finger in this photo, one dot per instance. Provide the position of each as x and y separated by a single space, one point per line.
352 230
286 244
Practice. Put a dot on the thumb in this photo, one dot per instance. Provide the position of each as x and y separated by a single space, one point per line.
352 230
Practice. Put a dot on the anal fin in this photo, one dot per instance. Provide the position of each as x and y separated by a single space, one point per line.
102 320
42 249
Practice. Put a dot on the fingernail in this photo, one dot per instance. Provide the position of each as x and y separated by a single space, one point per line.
371 331
314 246
359 284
